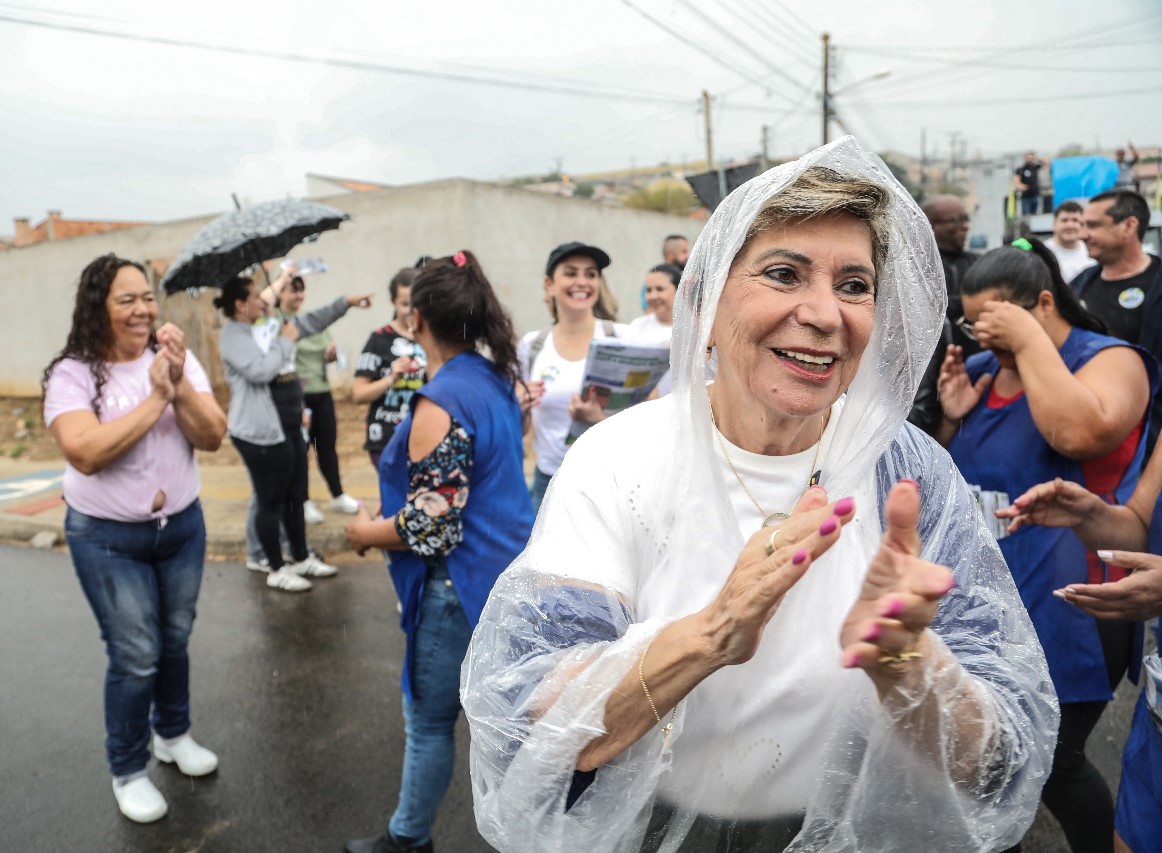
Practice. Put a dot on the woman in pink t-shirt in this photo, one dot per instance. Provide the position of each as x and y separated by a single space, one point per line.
127 407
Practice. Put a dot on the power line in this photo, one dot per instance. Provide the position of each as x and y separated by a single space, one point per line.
691 43
1036 99
358 65
774 69
750 17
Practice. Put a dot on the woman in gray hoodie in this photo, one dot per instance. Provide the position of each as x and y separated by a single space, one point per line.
265 419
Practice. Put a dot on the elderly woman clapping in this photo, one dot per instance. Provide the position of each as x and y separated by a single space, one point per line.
763 611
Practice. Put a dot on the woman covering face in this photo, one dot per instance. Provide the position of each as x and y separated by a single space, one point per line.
763 611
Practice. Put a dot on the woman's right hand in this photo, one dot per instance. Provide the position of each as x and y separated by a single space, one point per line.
159 378
735 620
402 366
958 396
529 394
289 331
1058 503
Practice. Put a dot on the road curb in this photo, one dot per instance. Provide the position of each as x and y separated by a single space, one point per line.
219 543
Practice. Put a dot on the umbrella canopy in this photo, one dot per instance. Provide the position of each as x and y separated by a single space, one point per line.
241 238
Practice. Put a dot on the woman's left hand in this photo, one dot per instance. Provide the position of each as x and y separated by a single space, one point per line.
588 410
884 631
172 343
1005 326
360 301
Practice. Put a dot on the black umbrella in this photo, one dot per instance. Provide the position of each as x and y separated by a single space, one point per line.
242 238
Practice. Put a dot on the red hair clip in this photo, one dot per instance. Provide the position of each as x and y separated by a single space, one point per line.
460 259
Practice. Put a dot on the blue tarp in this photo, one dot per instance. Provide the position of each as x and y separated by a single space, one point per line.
1082 177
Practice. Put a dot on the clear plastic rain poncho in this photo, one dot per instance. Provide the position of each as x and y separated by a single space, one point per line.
637 530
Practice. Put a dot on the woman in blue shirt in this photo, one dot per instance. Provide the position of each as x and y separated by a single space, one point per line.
1051 396
457 512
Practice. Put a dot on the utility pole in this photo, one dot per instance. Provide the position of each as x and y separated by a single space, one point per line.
826 84
766 160
709 136
923 163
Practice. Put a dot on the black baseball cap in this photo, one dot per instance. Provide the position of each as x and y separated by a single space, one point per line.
566 250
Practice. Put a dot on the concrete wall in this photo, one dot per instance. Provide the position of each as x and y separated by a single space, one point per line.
510 230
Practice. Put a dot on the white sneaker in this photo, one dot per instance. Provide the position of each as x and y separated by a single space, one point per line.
311 514
345 504
191 757
260 565
285 580
140 801
313 567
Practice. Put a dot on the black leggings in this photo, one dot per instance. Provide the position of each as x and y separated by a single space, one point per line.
279 474
324 432
1076 793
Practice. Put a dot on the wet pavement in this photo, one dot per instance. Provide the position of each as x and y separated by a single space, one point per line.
298 694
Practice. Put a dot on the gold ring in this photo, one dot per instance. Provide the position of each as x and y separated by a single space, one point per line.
903 656
772 542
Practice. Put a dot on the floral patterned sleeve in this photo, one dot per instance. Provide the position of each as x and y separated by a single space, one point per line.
437 491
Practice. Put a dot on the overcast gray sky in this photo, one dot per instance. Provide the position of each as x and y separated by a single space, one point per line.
153 127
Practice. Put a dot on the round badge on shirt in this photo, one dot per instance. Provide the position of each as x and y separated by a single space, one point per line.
1131 297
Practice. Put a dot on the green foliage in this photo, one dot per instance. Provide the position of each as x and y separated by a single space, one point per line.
901 175
665 195
584 191
18 450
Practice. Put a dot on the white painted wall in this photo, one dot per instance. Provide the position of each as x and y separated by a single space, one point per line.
509 229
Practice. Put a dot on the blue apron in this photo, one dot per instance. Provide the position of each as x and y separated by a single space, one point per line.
1001 450
1138 819
498 517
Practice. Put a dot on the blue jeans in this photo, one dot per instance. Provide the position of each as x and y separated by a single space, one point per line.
441 641
1030 204
142 582
539 487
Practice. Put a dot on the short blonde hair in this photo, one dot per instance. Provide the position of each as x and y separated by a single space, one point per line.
819 191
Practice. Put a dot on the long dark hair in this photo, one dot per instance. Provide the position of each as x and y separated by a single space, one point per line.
232 290
1021 274
90 339
460 307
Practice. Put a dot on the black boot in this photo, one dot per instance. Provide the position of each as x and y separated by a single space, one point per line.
382 844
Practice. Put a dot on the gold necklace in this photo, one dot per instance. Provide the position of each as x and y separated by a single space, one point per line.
770 518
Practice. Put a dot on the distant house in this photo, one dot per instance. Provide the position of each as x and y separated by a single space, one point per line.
56 227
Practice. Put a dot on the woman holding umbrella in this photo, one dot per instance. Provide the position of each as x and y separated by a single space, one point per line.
265 419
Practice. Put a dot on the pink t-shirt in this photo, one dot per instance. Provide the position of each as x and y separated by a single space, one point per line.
163 460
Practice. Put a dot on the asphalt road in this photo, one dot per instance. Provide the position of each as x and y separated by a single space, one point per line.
298 694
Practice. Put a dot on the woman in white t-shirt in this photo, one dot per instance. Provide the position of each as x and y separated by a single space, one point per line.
553 360
657 326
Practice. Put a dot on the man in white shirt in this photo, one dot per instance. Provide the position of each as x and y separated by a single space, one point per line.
1066 244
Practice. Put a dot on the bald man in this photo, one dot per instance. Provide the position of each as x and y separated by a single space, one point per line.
950 224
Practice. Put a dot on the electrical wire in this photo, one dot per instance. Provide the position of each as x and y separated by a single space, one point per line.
751 18
689 42
721 30
356 65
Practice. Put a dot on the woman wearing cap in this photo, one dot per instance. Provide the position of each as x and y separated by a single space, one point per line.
553 359
1052 396
700 649
456 513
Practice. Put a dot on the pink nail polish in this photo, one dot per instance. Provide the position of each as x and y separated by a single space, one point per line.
912 483
828 527
845 506
894 608
800 557
850 661
873 633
